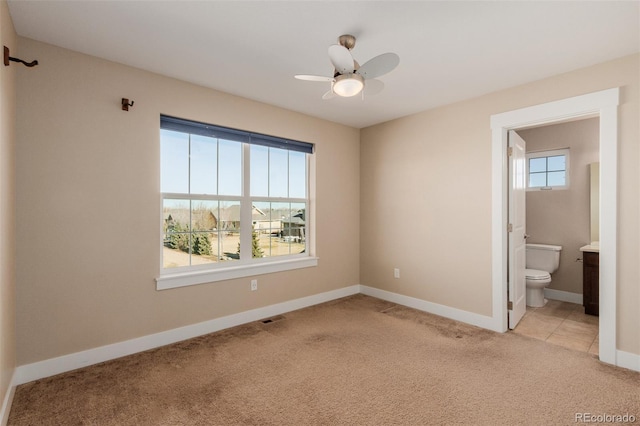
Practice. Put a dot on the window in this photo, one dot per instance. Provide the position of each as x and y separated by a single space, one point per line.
548 170
234 203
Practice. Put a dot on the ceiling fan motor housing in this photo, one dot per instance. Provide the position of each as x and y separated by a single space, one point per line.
347 40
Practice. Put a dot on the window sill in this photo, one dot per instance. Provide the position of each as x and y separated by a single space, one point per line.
547 188
184 279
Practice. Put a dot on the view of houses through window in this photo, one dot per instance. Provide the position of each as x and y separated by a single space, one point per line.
204 196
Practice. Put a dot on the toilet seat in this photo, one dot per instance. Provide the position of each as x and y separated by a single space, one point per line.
536 275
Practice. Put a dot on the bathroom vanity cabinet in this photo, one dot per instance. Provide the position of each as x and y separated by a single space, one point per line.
591 282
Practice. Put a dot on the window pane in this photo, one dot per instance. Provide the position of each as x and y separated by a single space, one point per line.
537 165
278 172
537 180
173 258
201 248
229 227
259 171
204 165
230 216
557 178
204 215
297 174
556 163
297 230
261 217
229 168
216 253
177 238
280 241
262 229
174 157
177 215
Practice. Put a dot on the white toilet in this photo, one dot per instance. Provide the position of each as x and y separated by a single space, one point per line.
542 261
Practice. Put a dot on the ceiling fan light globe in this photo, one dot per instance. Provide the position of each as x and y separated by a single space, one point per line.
348 85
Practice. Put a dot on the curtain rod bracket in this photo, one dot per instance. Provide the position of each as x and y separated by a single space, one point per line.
8 58
126 104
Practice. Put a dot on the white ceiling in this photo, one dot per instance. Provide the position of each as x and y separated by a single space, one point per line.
449 50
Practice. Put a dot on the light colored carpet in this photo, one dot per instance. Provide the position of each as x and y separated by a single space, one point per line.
353 361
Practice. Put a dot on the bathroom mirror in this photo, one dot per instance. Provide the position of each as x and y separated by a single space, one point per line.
594 170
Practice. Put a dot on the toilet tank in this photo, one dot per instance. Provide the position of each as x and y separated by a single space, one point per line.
544 257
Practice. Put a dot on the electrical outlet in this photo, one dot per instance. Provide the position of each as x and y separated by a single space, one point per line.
396 273
254 285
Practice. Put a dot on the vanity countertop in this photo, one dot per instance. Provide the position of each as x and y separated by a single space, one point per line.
593 247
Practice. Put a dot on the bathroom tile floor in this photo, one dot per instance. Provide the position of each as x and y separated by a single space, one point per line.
561 323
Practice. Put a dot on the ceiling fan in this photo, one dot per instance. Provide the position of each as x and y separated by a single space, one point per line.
350 78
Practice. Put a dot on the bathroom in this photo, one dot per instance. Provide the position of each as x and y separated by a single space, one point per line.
564 217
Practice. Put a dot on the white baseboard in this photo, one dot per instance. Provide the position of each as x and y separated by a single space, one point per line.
53 366
432 308
628 360
8 399
563 296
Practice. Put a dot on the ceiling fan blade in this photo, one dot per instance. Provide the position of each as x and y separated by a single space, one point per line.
341 58
372 87
307 77
329 95
380 65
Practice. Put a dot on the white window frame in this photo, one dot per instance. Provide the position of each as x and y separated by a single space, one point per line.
546 154
246 266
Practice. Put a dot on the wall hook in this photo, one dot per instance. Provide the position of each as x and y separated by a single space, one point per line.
8 58
126 104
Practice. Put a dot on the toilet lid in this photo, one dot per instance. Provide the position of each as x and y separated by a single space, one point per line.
535 274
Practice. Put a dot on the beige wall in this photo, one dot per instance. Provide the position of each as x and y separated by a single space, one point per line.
426 195
87 179
563 217
7 202
88 204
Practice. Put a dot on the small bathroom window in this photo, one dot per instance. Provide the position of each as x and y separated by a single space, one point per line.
548 170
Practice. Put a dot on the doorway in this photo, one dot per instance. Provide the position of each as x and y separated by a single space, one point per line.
559 191
604 105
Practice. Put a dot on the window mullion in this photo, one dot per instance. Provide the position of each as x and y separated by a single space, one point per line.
546 171
190 207
217 167
190 233
278 200
307 203
246 208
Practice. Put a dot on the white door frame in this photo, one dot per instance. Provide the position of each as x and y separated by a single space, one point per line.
605 105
